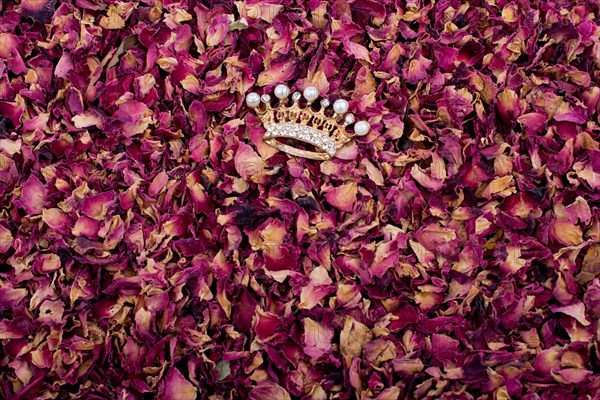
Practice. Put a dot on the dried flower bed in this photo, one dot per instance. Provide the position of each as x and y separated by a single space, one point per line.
153 246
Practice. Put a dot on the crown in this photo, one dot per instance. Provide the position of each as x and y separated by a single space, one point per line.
324 129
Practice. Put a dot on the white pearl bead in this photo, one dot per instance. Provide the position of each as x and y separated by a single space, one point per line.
361 128
253 100
282 91
340 106
311 93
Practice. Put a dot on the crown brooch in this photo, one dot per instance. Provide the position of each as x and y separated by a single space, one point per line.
323 129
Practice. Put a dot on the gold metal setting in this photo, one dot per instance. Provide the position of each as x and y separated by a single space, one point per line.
323 130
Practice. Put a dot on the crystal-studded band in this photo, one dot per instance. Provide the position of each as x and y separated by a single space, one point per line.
302 133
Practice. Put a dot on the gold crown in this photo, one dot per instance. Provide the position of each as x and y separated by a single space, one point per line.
324 130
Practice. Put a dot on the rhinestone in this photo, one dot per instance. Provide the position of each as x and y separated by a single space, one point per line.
265 98
350 118
325 103
296 96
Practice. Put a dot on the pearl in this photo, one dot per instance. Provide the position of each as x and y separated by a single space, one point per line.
340 106
361 128
282 91
253 100
311 93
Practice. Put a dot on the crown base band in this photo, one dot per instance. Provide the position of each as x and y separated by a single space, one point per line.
313 155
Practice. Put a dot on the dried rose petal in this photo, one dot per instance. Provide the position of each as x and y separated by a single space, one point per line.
176 386
33 196
153 245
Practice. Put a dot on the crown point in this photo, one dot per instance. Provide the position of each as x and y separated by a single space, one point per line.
253 100
296 96
324 103
311 93
265 98
282 91
340 106
349 118
361 128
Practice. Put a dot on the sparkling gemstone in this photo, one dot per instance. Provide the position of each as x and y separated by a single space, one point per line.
265 98
296 96
350 118
325 103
